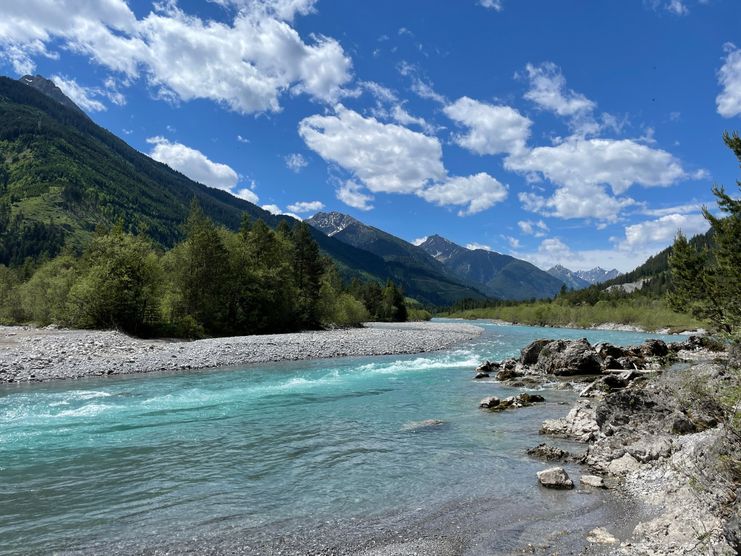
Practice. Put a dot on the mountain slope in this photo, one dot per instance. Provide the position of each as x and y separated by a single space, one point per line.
597 275
498 275
62 176
572 279
423 276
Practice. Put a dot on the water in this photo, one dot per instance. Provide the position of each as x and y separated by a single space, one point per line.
137 462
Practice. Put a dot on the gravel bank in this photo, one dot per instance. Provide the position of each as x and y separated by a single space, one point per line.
36 355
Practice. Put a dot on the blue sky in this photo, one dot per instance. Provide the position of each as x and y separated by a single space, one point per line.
580 133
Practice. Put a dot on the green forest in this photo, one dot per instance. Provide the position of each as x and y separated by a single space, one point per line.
213 283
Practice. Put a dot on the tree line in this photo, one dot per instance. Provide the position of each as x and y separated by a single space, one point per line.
213 283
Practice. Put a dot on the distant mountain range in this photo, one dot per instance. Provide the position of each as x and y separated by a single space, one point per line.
579 279
494 274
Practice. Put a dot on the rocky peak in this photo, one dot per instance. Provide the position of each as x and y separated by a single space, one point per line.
49 88
331 223
440 248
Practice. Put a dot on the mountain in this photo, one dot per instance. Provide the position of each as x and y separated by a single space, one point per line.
49 88
597 275
497 275
423 277
572 279
62 176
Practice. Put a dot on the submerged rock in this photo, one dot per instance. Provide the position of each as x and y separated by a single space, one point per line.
521 400
555 477
413 426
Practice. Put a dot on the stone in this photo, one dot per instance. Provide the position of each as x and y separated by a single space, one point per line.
489 402
555 477
480 375
600 535
680 424
594 481
623 465
548 453
506 374
529 354
569 357
579 424
654 348
487 367
650 449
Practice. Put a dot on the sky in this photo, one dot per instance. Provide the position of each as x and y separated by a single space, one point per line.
578 133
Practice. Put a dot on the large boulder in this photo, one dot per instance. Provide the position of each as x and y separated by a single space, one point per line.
569 357
529 354
548 453
605 350
555 477
654 348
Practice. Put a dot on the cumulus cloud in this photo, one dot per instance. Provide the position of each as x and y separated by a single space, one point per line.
275 209
193 163
491 129
352 194
419 241
246 64
548 90
478 192
296 162
306 206
661 232
81 96
729 78
617 163
384 157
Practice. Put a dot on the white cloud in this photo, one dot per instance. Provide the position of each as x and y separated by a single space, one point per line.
351 193
306 206
533 228
242 139
296 162
556 252
661 232
81 96
474 246
247 64
548 90
420 86
479 192
586 201
729 78
275 209
193 163
514 243
247 194
677 209
384 157
495 5
617 163
419 241
492 129
677 7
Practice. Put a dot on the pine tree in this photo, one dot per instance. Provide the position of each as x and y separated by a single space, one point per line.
308 267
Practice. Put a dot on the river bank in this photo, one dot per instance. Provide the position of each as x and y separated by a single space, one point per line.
612 326
663 434
29 354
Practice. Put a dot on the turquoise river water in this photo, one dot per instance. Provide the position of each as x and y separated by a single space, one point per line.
131 463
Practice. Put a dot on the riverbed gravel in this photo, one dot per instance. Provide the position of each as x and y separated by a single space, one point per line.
29 354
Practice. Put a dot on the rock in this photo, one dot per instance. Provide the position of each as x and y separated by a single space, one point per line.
509 364
592 481
481 375
623 465
693 343
530 398
605 350
569 357
506 374
680 424
555 477
529 354
649 449
579 424
548 453
611 362
600 535
631 362
487 367
654 348
489 402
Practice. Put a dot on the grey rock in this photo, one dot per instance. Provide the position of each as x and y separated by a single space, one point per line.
555 477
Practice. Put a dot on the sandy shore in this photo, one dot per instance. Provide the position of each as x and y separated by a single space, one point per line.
30 354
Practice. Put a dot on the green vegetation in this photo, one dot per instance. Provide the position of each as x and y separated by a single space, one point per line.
707 282
213 283
641 311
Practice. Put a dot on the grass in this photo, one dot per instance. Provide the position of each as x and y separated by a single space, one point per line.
644 313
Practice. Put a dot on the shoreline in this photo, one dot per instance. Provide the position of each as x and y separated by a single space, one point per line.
614 326
31 355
